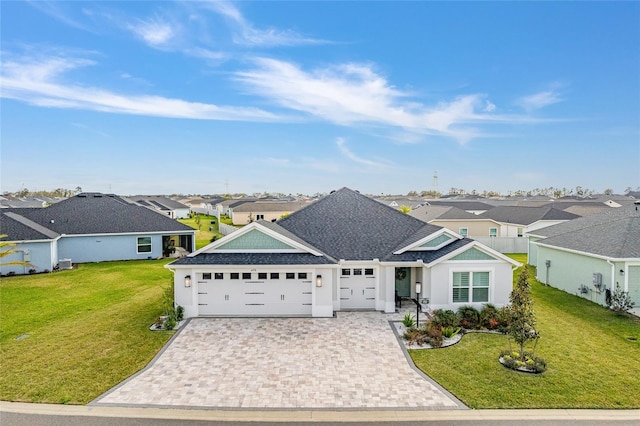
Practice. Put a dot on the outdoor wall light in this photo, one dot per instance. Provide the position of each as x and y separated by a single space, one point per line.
187 281
318 280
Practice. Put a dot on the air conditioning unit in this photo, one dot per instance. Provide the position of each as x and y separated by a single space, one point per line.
65 264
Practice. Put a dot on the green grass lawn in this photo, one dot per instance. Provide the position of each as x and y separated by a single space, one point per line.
203 236
593 360
88 329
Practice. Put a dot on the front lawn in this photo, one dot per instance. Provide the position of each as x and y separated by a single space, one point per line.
592 354
69 336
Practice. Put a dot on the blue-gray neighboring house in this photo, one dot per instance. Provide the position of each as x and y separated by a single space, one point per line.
89 227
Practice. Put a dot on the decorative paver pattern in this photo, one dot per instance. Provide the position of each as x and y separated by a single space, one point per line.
352 361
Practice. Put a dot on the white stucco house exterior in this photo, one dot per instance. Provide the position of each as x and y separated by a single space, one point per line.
343 252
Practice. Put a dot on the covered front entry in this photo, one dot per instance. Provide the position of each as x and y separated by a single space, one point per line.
357 288
254 293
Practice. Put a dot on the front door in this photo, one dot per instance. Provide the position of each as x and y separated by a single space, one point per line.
403 281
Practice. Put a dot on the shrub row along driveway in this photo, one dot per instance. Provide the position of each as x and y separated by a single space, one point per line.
352 361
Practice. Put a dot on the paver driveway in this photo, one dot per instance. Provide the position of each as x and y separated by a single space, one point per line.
352 361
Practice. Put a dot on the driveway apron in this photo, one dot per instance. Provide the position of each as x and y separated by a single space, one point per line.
352 361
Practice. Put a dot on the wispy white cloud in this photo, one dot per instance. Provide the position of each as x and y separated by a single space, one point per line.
539 100
55 10
342 146
248 34
153 31
349 94
39 81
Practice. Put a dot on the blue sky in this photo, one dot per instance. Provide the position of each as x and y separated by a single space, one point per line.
305 97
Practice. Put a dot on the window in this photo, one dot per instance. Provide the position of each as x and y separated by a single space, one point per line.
206 276
275 276
290 275
144 244
493 232
235 276
218 276
302 275
464 232
246 275
368 271
259 216
520 232
357 271
346 272
470 287
262 275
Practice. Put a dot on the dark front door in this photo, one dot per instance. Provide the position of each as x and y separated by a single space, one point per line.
403 281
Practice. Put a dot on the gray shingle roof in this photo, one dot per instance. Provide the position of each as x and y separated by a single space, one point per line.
92 213
519 215
348 225
429 213
427 256
253 259
615 233
19 228
464 205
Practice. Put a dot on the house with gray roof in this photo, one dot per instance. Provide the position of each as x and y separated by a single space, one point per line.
89 227
344 251
263 210
163 205
591 256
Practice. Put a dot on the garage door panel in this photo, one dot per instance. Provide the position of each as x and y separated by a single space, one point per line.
258 297
357 288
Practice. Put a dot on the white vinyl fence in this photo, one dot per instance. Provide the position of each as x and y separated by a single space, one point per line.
227 229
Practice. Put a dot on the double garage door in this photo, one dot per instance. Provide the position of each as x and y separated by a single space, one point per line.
357 288
255 293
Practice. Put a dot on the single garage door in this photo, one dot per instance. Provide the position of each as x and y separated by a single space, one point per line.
357 288
255 293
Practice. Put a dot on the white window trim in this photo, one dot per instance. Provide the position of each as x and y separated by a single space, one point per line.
465 234
150 245
496 232
491 272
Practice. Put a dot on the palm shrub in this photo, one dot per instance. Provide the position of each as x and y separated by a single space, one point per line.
408 321
489 317
445 318
469 317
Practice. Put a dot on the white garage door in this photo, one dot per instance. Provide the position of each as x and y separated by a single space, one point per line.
254 293
357 288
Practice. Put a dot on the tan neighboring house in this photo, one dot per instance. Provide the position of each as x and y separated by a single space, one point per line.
457 220
270 211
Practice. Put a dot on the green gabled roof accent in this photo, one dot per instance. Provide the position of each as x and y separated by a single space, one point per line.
473 254
437 241
255 240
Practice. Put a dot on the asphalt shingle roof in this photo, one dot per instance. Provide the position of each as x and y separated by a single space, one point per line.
614 234
92 213
427 256
19 228
253 259
519 215
428 213
348 225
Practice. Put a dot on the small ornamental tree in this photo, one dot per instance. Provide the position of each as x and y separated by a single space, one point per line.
520 315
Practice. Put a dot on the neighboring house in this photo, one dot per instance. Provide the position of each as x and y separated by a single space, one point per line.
263 210
344 251
398 202
162 205
473 207
458 220
224 206
516 221
89 227
591 255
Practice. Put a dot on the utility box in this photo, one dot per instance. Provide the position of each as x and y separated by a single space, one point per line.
597 279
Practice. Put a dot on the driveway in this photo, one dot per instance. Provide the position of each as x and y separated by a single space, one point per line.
351 361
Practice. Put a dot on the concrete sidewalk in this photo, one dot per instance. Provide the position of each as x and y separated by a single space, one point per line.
304 416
